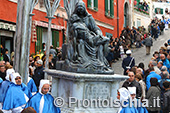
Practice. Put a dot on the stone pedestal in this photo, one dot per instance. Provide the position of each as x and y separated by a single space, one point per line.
85 87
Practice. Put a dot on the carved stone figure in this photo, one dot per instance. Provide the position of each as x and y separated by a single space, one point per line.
87 46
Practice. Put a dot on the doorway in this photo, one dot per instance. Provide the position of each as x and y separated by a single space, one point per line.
126 15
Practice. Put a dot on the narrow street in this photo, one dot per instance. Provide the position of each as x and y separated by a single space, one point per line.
140 53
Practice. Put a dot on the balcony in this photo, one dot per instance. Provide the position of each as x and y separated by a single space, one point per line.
142 7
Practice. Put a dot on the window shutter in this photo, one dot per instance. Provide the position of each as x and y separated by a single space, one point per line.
38 45
88 3
111 8
96 5
106 7
161 11
55 39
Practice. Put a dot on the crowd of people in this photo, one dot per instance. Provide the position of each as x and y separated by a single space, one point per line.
150 82
17 97
135 37
32 97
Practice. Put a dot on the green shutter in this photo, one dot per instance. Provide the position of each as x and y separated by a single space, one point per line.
96 5
111 8
38 44
106 7
88 3
55 38
161 11
156 10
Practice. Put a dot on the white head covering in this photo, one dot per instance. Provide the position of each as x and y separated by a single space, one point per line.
124 94
132 90
13 76
8 73
42 82
128 52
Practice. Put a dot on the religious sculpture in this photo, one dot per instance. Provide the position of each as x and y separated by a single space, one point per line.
87 46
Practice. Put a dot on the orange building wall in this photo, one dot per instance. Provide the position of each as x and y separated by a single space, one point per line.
8 12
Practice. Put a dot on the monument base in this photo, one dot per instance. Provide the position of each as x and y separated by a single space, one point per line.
65 66
85 93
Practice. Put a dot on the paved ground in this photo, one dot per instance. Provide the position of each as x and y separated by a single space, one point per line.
140 53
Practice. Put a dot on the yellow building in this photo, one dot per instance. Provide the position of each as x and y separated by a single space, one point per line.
142 13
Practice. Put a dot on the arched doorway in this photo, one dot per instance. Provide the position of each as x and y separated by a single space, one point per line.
126 15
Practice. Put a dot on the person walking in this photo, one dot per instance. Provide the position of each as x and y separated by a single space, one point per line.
148 43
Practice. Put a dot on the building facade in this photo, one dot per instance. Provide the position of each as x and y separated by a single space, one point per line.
110 15
142 13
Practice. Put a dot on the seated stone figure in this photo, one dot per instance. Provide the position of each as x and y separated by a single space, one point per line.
87 45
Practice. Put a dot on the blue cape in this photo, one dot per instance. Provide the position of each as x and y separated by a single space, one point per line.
49 106
141 109
31 86
1 80
15 96
128 109
3 89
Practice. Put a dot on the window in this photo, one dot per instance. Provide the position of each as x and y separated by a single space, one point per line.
138 23
93 4
158 11
109 10
42 35
55 38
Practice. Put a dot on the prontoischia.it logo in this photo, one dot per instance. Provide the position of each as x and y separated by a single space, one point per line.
105 103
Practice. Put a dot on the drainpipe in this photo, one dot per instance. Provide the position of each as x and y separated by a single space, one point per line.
117 18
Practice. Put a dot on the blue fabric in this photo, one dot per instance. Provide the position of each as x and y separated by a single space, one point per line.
14 97
166 63
49 106
141 109
25 89
31 86
151 75
128 109
1 80
3 89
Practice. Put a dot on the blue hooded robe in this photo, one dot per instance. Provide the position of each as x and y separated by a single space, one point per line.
3 89
48 107
15 96
1 80
128 109
31 86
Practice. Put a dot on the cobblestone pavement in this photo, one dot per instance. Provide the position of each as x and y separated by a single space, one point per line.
140 53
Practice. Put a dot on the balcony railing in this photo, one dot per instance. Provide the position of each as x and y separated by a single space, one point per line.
142 8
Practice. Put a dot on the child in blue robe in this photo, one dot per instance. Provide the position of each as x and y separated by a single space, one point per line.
123 94
17 95
42 102
140 109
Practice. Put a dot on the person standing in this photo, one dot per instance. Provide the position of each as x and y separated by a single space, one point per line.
166 97
148 43
43 102
154 92
131 82
128 62
38 73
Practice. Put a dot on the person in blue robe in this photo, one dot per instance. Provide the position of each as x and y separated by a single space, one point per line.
42 102
132 91
31 86
123 94
1 80
17 95
5 85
